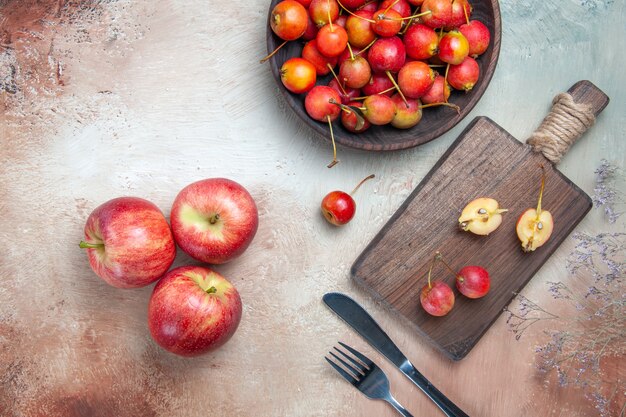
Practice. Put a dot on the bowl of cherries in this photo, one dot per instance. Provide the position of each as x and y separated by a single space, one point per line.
382 75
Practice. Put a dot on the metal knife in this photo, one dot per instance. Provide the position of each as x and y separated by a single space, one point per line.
360 320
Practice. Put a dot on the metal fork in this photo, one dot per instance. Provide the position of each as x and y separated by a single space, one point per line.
366 376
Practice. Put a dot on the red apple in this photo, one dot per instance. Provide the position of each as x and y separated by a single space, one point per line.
193 310
214 220
128 242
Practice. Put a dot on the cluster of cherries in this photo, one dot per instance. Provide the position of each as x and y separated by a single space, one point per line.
481 217
385 53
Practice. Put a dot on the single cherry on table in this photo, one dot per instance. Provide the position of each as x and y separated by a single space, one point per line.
338 207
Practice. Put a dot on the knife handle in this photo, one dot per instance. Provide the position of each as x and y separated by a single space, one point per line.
448 407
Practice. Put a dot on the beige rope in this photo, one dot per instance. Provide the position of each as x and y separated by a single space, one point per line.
565 123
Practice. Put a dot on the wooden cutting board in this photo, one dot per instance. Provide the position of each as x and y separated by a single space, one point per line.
485 161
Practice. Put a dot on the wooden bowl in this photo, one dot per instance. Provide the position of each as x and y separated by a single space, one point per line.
435 121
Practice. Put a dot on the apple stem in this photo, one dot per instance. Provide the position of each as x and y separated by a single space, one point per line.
273 52
397 87
335 161
214 218
87 245
466 16
543 183
369 177
211 290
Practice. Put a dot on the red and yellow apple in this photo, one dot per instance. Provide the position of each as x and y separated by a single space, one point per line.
193 310
128 242
214 220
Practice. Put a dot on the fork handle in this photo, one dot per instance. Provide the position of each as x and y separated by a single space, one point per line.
448 407
395 404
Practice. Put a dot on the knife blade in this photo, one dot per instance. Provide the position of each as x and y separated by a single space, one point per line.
360 320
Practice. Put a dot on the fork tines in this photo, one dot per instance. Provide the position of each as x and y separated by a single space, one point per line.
357 368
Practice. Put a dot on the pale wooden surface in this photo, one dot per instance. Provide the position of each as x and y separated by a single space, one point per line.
142 98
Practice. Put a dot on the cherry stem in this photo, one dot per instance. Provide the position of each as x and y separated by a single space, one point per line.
397 87
368 46
87 245
390 6
343 90
414 16
430 271
454 106
445 77
466 16
436 65
349 49
543 184
273 52
355 15
342 106
330 22
369 177
439 256
335 161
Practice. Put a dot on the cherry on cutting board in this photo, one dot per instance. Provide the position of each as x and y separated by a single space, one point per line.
472 281
338 207
436 298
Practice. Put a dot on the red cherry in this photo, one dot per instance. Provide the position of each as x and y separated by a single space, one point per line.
338 207
415 78
321 10
453 47
331 40
359 28
473 281
387 54
298 75
288 20
315 57
437 298
421 42
477 35
319 103
440 13
350 121
387 22
465 75
458 14
438 92
377 84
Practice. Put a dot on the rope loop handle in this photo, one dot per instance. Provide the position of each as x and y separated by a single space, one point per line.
565 123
